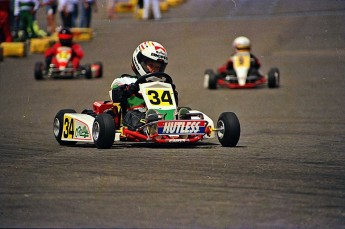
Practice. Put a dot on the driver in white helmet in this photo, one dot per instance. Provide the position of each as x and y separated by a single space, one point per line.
241 44
148 57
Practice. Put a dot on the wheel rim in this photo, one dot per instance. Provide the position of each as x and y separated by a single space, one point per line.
277 78
56 127
206 81
95 131
220 126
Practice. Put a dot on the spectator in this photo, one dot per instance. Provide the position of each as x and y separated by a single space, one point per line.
24 11
65 9
51 8
110 9
75 12
5 32
86 12
154 6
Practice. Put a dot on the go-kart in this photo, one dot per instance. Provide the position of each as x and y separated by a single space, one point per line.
103 124
62 68
243 75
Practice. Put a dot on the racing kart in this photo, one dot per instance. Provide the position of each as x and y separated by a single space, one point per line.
103 124
243 76
62 68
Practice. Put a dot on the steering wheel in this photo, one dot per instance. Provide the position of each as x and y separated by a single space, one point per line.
156 75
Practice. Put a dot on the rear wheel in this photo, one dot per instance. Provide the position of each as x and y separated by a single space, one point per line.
58 125
230 130
99 69
103 131
88 71
1 54
39 70
273 78
210 79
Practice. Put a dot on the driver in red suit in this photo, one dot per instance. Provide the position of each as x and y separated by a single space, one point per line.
65 39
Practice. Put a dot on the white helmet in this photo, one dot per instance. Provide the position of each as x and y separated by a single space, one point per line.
241 43
148 50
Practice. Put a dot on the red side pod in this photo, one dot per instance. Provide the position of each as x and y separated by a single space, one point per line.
100 106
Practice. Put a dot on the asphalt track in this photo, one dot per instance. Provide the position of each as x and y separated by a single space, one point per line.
286 172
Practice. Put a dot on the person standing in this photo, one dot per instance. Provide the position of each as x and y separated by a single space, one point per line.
86 12
5 24
154 6
65 9
75 12
25 11
51 9
110 9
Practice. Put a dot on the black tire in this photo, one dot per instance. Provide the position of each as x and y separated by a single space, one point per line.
231 129
39 70
100 71
88 71
210 79
273 78
1 54
103 131
58 125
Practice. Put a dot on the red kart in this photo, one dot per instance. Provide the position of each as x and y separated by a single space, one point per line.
63 68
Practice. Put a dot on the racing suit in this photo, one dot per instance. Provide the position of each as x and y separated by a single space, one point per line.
228 68
77 55
124 91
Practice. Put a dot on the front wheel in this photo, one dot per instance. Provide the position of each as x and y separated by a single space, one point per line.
273 78
58 125
39 70
103 131
210 79
229 129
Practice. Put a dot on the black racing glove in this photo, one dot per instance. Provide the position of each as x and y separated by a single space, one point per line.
121 93
131 89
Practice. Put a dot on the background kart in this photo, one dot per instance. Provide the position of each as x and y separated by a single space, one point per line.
62 68
165 123
243 76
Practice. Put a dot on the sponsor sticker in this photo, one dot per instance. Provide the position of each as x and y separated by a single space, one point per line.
75 129
182 127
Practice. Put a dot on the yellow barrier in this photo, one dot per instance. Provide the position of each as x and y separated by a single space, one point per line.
40 45
174 2
126 7
82 34
18 49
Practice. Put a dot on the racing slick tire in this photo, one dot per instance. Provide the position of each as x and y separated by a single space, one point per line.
273 78
39 66
88 71
58 126
1 54
210 79
230 129
103 131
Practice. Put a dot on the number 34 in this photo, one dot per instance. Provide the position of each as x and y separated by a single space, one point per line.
162 98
